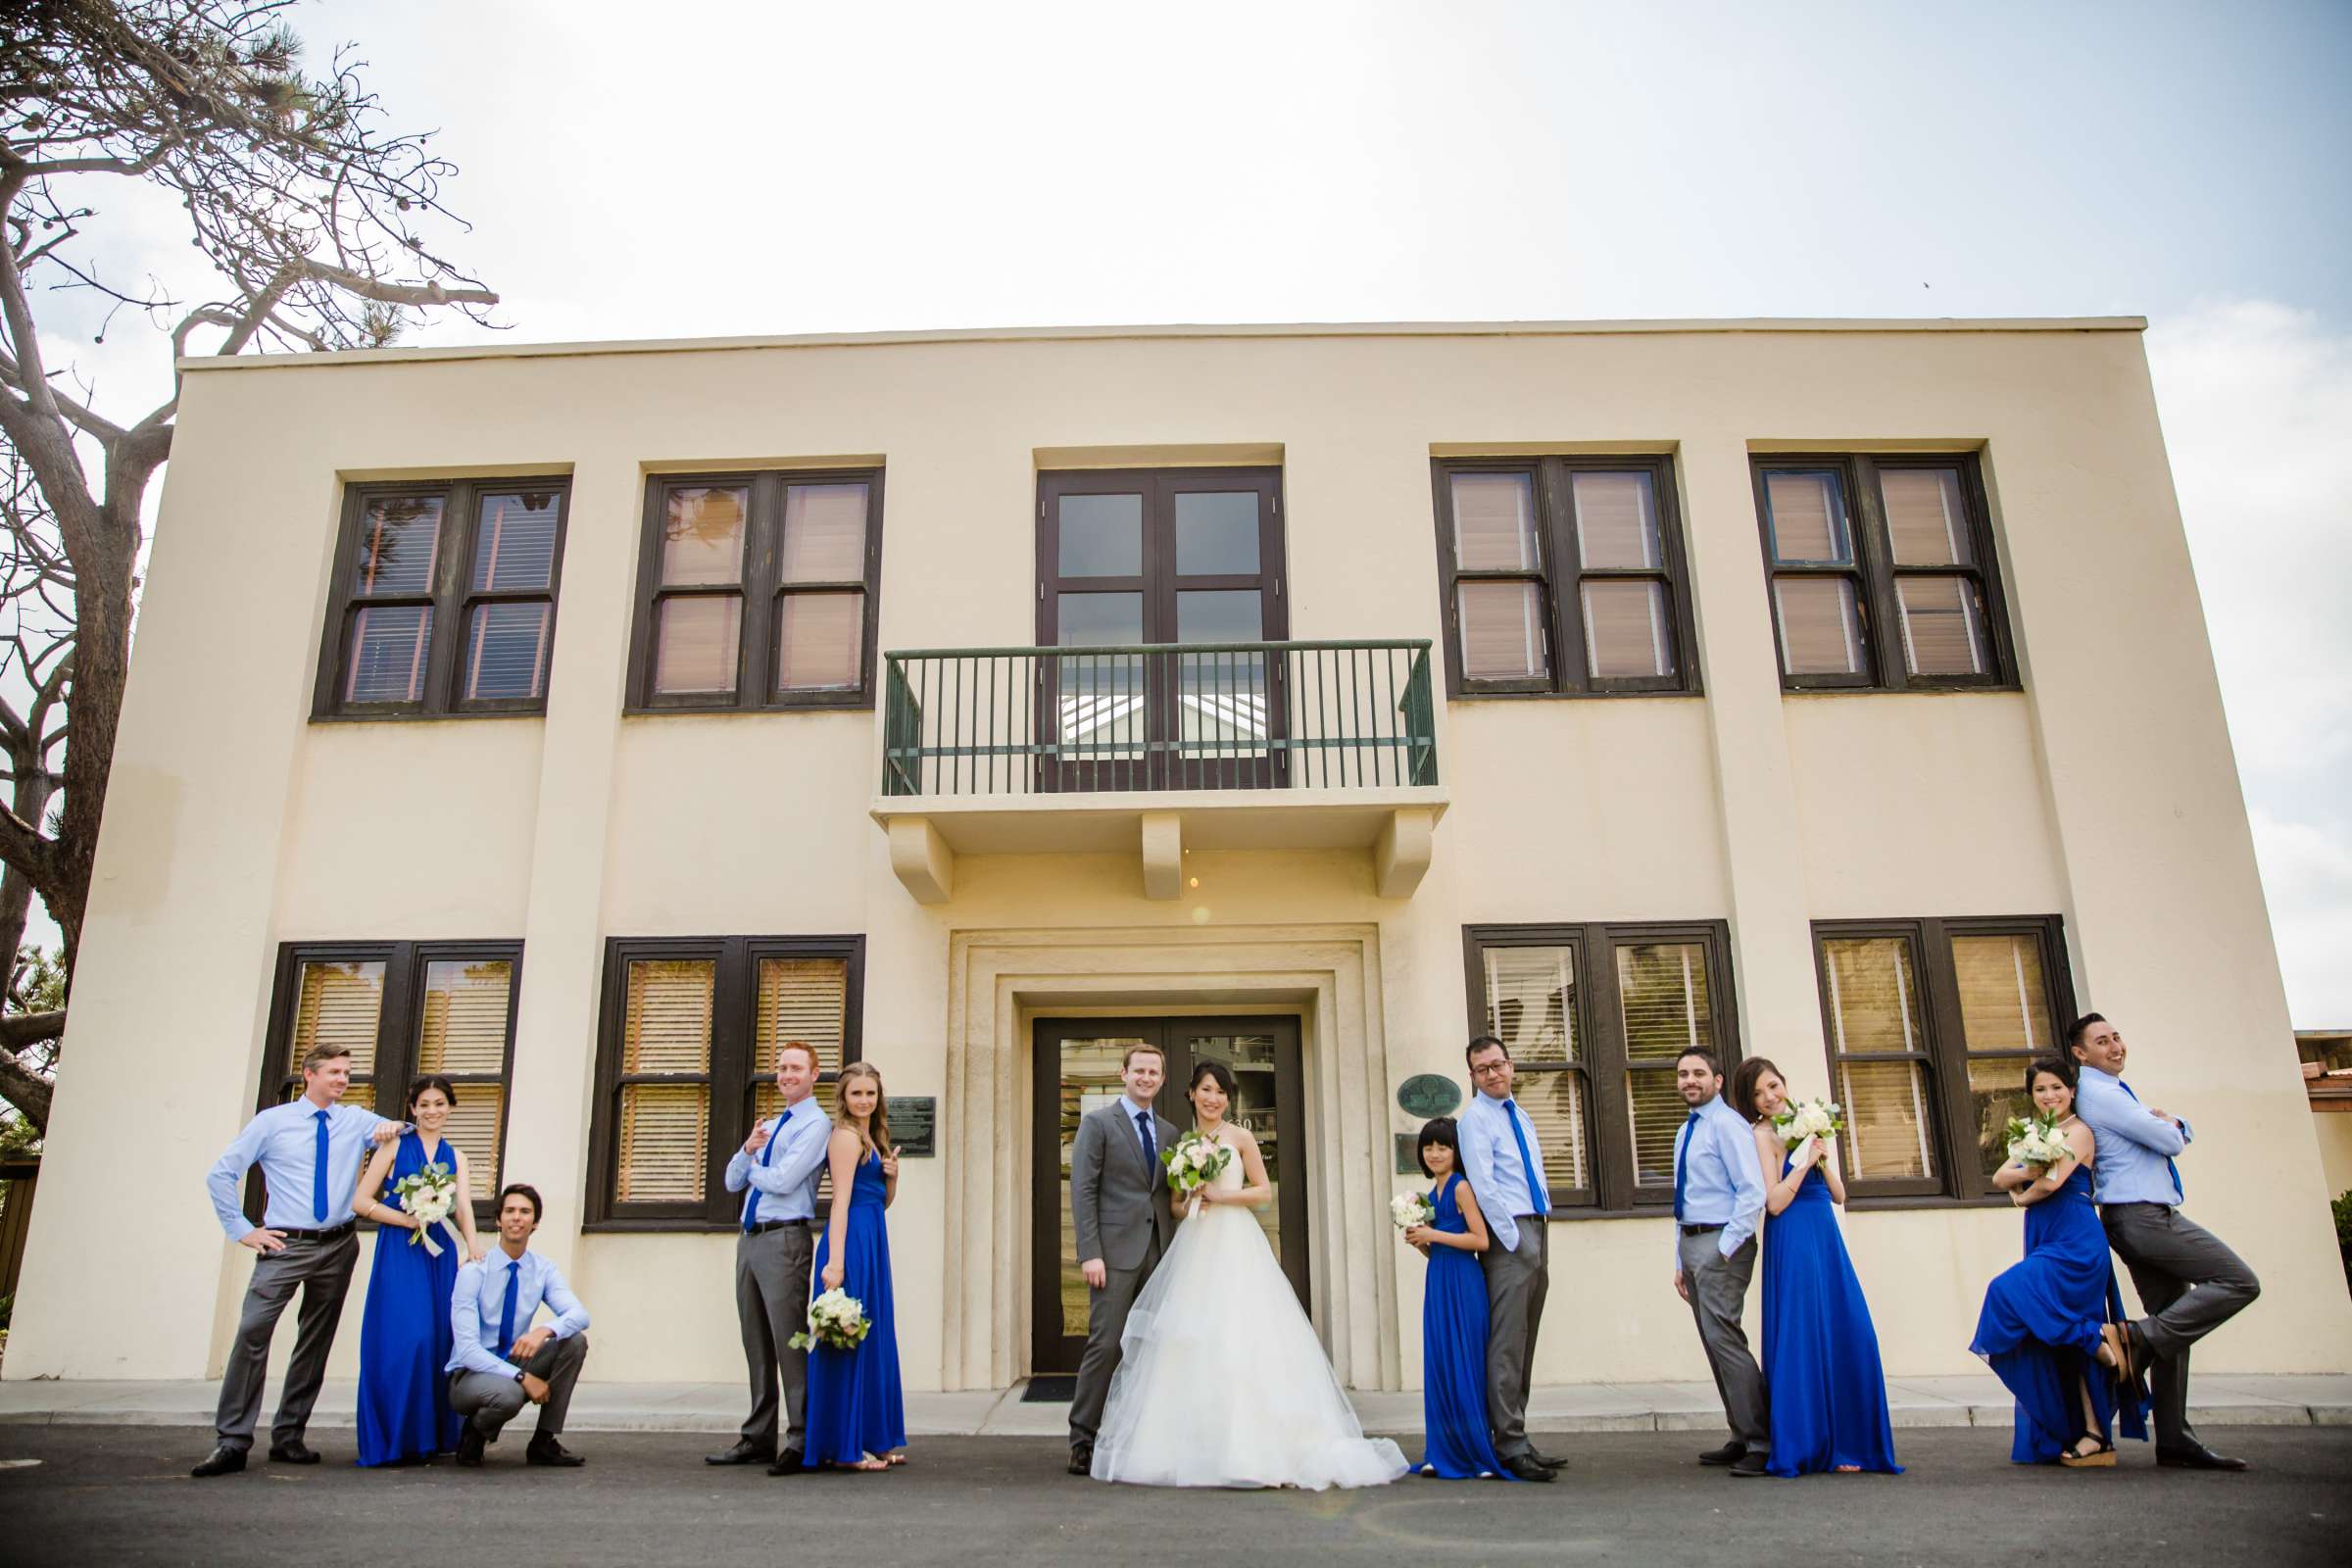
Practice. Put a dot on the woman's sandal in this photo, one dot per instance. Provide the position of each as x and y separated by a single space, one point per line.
2087 1452
893 1461
868 1462
2116 1339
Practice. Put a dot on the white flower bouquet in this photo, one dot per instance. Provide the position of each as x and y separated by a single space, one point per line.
836 1320
1800 1122
1409 1209
1194 1162
2038 1142
430 1197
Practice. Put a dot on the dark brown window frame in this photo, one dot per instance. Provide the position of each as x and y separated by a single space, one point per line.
1875 575
452 599
760 589
1561 578
735 1000
1600 1022
1961 1183
398 1024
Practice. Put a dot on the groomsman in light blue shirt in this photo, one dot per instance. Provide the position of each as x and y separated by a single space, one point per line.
776 1171
310 1151
1718 1205
2189 1282
1504 1160
498 1362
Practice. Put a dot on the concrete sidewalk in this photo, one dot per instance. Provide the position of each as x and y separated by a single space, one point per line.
1976 1400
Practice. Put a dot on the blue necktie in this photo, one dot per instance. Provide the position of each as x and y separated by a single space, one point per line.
1681 1164
767 1155
1527 1162
318 1173
506 1313
1143 1125
2180 1193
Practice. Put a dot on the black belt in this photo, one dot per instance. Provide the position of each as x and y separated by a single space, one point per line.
328 1234
1700 1230
766 1225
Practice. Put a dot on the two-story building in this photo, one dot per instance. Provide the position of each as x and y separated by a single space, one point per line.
582 721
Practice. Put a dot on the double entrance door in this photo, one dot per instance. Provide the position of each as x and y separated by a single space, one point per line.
1077 1065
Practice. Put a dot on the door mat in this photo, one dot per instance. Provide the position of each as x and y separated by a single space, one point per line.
1056 1388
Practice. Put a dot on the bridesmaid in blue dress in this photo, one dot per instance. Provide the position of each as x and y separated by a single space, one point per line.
2051 1324
1821 1354
1454 1317
857 1414
404 1334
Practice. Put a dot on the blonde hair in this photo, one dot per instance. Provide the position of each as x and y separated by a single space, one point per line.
875 1135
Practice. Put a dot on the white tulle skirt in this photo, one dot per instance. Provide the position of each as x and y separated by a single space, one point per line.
1222 1381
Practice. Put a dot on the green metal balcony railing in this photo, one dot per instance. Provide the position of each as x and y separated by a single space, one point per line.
1159 716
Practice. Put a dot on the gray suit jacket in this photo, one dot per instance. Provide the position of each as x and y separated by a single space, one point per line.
1118 1203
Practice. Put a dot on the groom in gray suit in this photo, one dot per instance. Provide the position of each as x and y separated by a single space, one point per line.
1119 1203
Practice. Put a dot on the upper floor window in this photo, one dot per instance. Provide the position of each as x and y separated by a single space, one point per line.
444 598
1563 575
1883 573
758 591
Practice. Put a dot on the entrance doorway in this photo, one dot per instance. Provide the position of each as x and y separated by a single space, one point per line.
1077 1067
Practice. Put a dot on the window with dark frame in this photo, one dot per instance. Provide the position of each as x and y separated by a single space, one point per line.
1563 576
404 1009
686 1060
1595 1016
757 591
1882 571
444 599
1931 1025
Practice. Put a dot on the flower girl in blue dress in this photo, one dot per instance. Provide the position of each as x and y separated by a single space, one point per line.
1454 1317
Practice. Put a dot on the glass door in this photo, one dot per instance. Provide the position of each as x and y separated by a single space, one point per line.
1077 1065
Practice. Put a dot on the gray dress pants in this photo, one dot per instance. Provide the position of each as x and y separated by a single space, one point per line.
1517 1281
321 1271
771 1304
490 1400
2190 1284
1718 1294
1107 1313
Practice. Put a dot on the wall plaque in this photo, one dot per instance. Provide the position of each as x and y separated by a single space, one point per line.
1426 1095
913 1122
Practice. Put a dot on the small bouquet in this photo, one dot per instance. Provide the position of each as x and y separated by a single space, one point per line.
1194 1162
2038 1142
430 1197
1409 1209
1798 1123
836 1320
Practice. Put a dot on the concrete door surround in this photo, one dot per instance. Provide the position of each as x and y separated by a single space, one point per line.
999 981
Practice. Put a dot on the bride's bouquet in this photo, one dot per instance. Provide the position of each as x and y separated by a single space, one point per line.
432 1196
1194 1162
1800 1122
836 1320
2038 1142
1409 1209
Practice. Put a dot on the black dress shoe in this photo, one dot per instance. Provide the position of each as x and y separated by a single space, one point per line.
788 1463
222 1461
471 1442
545 1449
1527 1467
2196 1457
745 1451
1729 1454
1546 1460
291 1451
1748 1464
1082 1458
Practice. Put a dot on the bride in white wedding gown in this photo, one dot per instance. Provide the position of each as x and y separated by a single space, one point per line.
1221 1380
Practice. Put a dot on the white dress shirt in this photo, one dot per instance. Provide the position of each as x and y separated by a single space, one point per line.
284 1142
480 1301
787 1178
1504 1185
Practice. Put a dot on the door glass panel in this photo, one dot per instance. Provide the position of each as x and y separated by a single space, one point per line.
1217 534
1101 694
1101 536
1252 1058
1090 1079
1222 698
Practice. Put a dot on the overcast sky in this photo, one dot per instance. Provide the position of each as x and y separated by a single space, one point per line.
698 167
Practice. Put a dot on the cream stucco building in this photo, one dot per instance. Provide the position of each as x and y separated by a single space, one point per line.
582 720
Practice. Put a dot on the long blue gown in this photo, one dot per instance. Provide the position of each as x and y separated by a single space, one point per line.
2040 1329
404 1337
1453 1353
855 1404
1821 1354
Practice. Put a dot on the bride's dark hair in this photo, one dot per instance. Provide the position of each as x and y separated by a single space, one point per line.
1210 1067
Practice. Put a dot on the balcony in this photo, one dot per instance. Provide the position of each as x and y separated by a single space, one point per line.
1156 749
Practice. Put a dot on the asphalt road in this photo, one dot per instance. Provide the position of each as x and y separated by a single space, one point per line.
117 1495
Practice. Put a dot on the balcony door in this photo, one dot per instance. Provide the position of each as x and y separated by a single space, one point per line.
1188 559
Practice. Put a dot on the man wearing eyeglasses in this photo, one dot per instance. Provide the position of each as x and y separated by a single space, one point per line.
1503 1159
